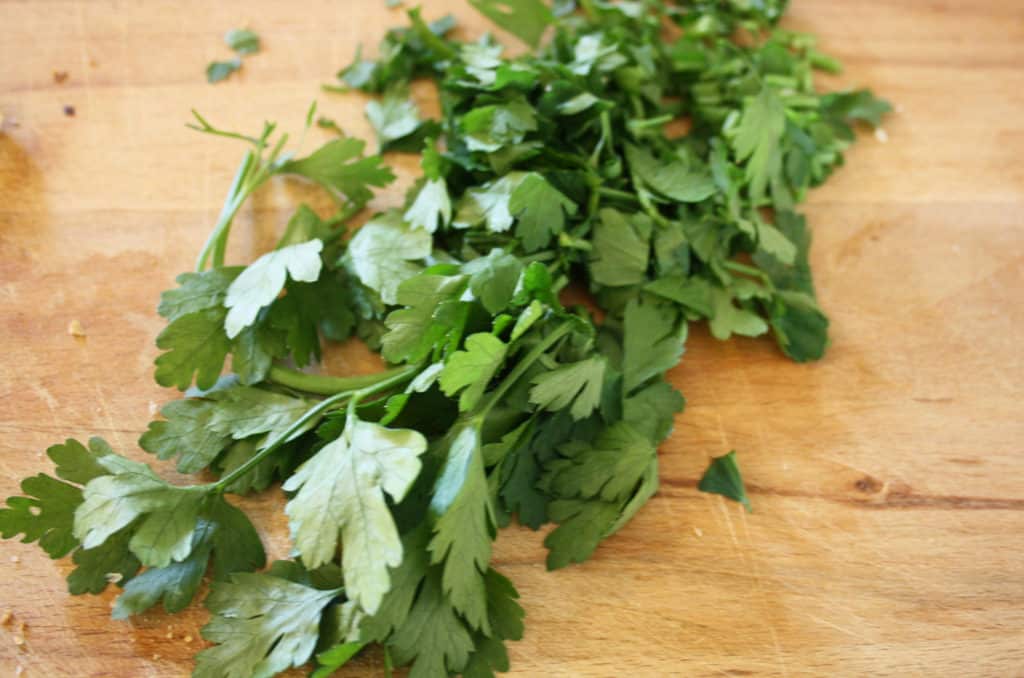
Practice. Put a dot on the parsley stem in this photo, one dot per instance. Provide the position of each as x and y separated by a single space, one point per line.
384 381
303 421
618 195
521 367
236 196
322 384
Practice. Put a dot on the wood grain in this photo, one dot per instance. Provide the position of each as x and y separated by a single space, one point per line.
887 479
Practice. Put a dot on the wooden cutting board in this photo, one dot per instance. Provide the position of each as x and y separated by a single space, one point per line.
887 480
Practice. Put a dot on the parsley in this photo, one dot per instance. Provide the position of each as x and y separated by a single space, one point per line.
723 477
220 70
243 41
560 166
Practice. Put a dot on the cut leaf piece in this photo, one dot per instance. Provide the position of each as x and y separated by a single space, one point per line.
723 477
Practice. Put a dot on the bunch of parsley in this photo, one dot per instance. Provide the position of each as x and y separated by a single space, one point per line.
653 154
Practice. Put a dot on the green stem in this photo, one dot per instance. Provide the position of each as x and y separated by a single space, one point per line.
311 414
617 194
520 369
390 378
227 212
322 384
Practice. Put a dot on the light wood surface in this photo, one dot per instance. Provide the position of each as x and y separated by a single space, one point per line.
887 480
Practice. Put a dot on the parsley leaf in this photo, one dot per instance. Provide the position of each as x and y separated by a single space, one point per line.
653 342
576 384
608 469
339 167
382 252
488 204
195 345
465 525
540 210
526 19
220 70
196 430
340 492
431 208
621 248
723 477
263 624
393 117
470 370
414 330
243 41
756 140
262 281
671 179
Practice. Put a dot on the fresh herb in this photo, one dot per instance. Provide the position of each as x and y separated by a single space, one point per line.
243 42
563 165
220 70
723 477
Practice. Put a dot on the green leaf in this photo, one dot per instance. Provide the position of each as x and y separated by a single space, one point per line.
186 433
333 659
195 345
723 477
220 70
196 430
540 209
393 117
97 567
405 583
653 342
800 327
493 279
45 514
243 41
727 320
582 524
340 493
652 409
175 584
432 207
525 19
490 128
506 617
608 469
167 515
471 370
339 167
488 204
621 249
670 179
413 331
262 624
432 637
197 292
382 252
771 241
576 386
756 140
692 292
856 105
464 526
254 350
262 281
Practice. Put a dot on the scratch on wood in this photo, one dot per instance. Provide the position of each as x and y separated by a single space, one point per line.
894 499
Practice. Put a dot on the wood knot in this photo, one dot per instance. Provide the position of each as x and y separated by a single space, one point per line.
868 485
